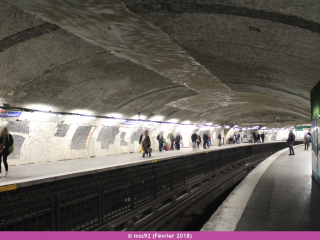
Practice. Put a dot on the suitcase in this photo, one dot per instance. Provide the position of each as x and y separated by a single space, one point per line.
166 148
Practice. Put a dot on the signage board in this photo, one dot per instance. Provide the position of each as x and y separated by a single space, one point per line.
315 125
10 114
130 122
302 128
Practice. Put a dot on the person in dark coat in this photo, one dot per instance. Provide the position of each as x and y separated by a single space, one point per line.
262 137
146 144
6 141
254 137
177 141
194 138
160 139
290 141
258 138
205 141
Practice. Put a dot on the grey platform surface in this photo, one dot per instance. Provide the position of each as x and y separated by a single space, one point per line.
31 174
285 198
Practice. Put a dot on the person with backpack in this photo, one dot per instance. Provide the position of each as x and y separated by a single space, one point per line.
6 147
198 141
161 141
307 141
194 138
219 137
290 141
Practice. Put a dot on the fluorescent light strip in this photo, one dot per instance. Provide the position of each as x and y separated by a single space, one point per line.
114 116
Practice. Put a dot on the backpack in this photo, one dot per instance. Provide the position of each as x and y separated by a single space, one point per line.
10 149
292 137
308 138
160 138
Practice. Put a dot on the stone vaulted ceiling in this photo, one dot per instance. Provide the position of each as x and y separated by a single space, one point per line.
235 62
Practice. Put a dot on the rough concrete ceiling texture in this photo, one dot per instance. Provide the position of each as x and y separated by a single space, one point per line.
235 62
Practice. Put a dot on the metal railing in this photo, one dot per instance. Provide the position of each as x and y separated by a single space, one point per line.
93 200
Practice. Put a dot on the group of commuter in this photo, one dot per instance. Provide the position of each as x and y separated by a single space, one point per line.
196 140
292 137
175 142
235 139
254 138
145 142
258 138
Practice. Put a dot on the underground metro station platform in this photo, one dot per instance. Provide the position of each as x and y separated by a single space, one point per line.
169 187
221 92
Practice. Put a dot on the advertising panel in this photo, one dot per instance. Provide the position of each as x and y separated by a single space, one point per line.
318 149
315 148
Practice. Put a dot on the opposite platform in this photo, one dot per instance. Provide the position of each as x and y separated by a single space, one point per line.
31 174
279 195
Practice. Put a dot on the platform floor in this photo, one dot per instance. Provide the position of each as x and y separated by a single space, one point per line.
278 195
26 175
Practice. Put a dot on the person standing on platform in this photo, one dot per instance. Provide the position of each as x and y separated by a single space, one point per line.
238 138
177 141
258 138
161 141
307 141
171 141
198 141
209 140
235 138
254 137
290 140
262 137
6 141
194 138
219 137
146 144
205 141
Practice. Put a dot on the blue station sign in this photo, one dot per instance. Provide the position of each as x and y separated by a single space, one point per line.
10 114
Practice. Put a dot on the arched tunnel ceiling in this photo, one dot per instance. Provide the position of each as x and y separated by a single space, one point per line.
240 62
